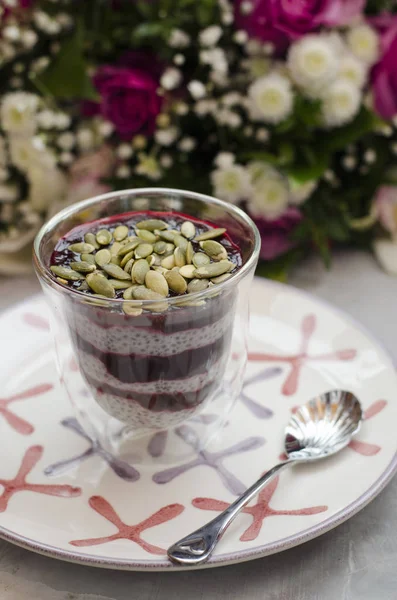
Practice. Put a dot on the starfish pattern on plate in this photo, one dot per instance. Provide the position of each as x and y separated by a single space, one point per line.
259 511
129 532
214 460
158 440
365 448
118 466
296 361
19 483
261 412
17 423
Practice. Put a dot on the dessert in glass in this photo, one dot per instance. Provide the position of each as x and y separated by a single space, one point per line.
149 296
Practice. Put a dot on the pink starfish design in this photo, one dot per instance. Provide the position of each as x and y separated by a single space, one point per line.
259 511
19 483
18 424
129 532
36 321
296 361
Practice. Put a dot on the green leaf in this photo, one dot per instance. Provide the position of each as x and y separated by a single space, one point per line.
341 137
284 156
147 30
300 174
66 77
307 111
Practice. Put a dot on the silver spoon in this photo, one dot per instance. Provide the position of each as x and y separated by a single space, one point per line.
317 429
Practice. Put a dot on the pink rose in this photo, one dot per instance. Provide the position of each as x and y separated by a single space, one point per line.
279 21
129 95
386 207
275 235
384 82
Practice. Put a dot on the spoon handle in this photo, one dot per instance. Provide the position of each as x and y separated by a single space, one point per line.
198 546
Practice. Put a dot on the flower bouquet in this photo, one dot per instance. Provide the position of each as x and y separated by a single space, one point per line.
285 108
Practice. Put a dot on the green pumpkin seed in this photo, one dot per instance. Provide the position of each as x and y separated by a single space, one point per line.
200 259
90 258
120 232
143 293
188 230
62 281
100 285
128 267
151 224
90 238
230 264
115 247
187 271
168 262
210 234
83 287
147 236
214 249
115 260
189 253
180 242
139 270
197 285
116 272
169 248
179 256
160 247
126 258
128 247
66 273
102 257
82 247
102 274
176 282
120 285
131 310
128 293
82 266
104 237
168 235
157 282
143 250
221 278
161 270
212 270
157 260
150 260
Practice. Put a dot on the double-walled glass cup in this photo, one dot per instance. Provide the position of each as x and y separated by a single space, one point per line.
128 374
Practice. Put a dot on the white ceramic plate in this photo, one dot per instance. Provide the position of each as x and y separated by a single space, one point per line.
96 511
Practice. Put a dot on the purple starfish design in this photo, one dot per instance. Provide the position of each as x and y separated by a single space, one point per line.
214 460
261 412
157 442
120 467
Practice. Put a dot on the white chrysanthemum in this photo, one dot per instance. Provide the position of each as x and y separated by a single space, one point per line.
272 98
364 43
352 69
148 166
270 193
197 89
300 193
231 183
44 186
28 152
341 103
166 137
18 112
224 160
313 62
171 78
178 39
210 36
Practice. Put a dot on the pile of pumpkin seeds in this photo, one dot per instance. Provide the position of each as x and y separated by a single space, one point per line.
147 265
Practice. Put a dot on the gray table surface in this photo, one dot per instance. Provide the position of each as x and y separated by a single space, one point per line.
356 561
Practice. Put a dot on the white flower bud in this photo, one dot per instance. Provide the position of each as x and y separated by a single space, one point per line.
210 36
124 151
85 139
123 172
171 78
197 89
178 39
66 140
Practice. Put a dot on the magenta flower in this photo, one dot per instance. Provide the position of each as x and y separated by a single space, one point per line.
275 235
129 96
384 82
386 26
279 21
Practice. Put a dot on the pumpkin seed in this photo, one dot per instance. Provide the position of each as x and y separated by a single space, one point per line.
126 258
120 232
114 248
200 259
139 270
82 247
104 237
180 241
161 270
188 230
128 293
102 274
168 262
151 224
160 247
169 248
176 282
179 257
62 281
221 278
132 238
90 258
83 287
214 249
189 253
147 236
90 238
66 273
143 250
128 266
157 260
116 272
157 282
131 310
168 235
197 285
187 271
210 234
82 267
143 293
102 257
128 247
120 285
231 264
115 260
100 285
212 270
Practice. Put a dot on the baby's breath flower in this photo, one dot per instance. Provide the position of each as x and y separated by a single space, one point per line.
105 128
29 38
171 78
197 89
187 144
205 107
178 39
166 161
85 139
223 160
124 151
166 137
148 166
123 172
66 158
369 156
349 162
210 36
66 140
179 59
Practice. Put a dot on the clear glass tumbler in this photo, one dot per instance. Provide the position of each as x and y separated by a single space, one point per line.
131 375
